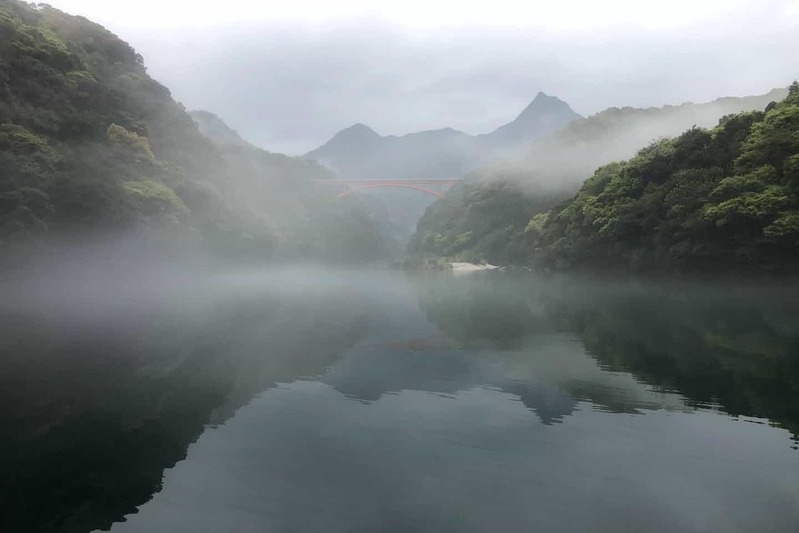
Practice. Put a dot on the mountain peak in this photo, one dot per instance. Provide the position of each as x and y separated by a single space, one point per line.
542 115
359 151
358 129
355 134
216 129
545 103
356 137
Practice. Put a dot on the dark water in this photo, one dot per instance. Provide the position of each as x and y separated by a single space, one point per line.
303 400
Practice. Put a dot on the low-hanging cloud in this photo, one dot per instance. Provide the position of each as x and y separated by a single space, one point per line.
289 84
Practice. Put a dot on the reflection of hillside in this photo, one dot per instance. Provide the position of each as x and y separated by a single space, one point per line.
480 310
550 374
549 402
735 347
94 410
99 399
492 333
368 374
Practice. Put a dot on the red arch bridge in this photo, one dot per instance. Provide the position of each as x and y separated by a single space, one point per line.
345 187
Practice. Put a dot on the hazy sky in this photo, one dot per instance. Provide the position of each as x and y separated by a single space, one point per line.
289 74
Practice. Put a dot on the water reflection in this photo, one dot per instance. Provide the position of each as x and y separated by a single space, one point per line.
380 402
103 392
733 346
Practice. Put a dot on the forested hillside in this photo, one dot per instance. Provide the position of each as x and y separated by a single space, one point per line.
279 192
486 216
90 144
719 199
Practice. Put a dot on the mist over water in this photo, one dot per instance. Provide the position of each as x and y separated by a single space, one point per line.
389 333
309 398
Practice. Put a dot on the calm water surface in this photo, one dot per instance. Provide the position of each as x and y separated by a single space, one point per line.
306 400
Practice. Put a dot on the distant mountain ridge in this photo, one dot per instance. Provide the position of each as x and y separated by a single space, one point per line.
544 115
360 152
215 129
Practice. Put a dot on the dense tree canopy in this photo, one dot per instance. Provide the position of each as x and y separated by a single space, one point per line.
481 221
90 143
708 199
720 198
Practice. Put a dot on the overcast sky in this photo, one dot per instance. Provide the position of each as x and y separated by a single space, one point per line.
289 74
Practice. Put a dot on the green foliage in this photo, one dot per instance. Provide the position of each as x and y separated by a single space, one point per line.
154 198
722 198
25 155
554 168
129 144
88 141
68 135
774 139
476 220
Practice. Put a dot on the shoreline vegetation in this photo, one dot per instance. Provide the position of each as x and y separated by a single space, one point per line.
710 200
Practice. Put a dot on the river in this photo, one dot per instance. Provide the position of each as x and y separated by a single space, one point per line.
304 399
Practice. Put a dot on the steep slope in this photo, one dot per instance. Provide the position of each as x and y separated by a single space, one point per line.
90 144
574 152
470 222
215 129
88 139
348 143
359 152
720 199
544 115
279 191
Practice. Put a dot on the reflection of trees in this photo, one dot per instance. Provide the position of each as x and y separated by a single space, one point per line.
368 374
480 309
93 413
735 346
738 347
95 410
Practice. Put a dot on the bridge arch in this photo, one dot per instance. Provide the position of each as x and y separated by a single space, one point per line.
390 184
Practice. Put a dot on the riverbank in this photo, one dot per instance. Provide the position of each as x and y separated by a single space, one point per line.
472 267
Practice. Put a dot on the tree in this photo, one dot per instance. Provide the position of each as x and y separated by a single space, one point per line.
129 144
708 199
